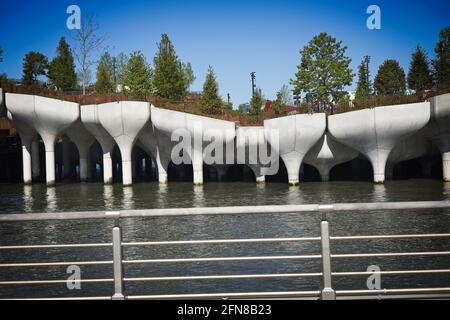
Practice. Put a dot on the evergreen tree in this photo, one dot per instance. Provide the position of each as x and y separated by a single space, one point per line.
188 74
170 79
210 100
137 75
256 103
107 60
104 83
390 79
121 62
61 71
323 71
34 64
441 63
419 75
364 86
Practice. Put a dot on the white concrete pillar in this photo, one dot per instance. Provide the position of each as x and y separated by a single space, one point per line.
49 143
446 166
197 163
260 179
26 161
36 168
84 155
378 158
293 161
107 168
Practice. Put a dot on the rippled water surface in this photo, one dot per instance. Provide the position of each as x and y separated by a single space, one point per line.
87 197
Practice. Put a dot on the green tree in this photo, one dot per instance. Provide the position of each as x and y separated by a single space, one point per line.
283 98
121 62
34 64
171 77
323 71
419 75
137 75
256 103
188 74
390 79
104 83
210 100
61 71
364 87
441 63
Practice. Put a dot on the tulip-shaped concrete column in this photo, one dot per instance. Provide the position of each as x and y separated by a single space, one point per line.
375 132
196 129
252 144
297 135
27 136
83 140
156 146
328 153
49 117
124 121
90 119
439 130
36 167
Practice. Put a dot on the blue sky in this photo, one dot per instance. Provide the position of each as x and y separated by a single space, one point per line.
235 37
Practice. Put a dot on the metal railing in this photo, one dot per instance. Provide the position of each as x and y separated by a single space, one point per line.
326 292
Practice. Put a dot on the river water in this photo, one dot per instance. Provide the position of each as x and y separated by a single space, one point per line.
82 197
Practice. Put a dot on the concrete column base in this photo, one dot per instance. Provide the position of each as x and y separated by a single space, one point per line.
294 182
127 179
50 167
198 177
446 166
378 178
107 169
163 178
261 179
325 177
26 161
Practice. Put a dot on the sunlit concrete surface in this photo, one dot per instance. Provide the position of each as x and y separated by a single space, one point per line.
168 122
124 121
298 134
90 119
438 130
49 117
328 153
375 132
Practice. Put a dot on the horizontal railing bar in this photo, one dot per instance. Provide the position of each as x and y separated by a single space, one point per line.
391 254
256 240
26 282
394 236
434 296
244 295
386 272
218 277
227 210
53 246
53 264
219 259
392 291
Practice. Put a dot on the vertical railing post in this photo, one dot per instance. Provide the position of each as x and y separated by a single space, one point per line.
327 292
117 264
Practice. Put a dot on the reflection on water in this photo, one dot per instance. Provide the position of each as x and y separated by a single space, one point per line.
108 197
379 193
127 199
96 196
27 198
52 203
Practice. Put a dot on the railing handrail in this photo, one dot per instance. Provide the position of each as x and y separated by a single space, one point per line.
326 256
280 209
